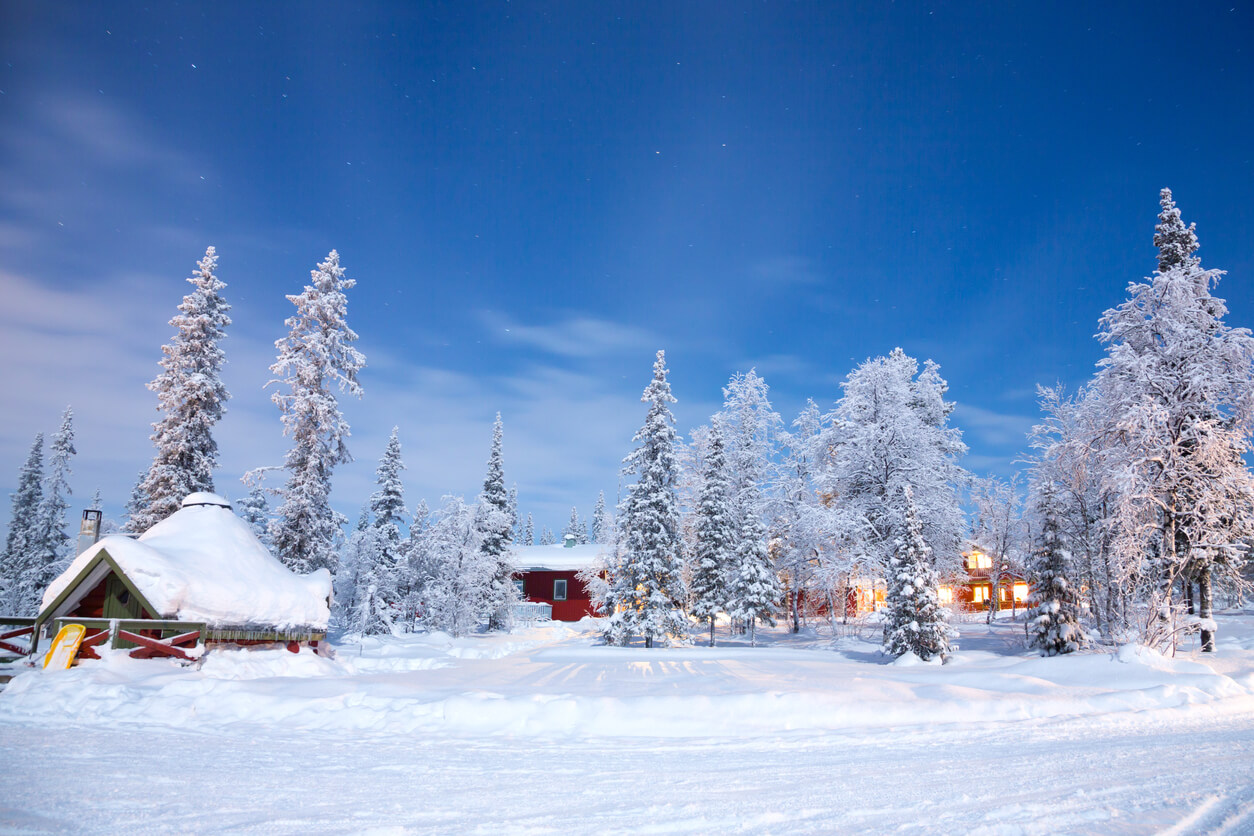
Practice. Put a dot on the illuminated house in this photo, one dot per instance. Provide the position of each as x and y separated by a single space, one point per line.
974 588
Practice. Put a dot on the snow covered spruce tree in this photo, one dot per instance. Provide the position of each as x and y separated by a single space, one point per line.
751 429
493 521
529 532
515 530
714 552
316 355
914 621
602 524
573 527
755 590
1053 622
23 532
51 546
1177 385
891 430
379 570
646 591
191 396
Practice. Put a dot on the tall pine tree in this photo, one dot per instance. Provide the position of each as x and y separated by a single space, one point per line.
315 356
493 521
191 396
646 591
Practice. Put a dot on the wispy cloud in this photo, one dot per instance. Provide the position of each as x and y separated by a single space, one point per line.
572 336
992 428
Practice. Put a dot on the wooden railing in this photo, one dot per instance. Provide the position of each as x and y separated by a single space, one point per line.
171 639
25 626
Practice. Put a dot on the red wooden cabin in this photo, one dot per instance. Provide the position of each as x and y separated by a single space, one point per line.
548 574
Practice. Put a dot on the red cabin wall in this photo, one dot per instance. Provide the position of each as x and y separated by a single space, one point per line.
538 587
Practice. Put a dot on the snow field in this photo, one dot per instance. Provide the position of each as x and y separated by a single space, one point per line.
551 681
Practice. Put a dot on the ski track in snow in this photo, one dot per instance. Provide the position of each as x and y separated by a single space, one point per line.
1146 745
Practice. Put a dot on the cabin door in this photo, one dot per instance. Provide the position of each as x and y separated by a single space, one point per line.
119 603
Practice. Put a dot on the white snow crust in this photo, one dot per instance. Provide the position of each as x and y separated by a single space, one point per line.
557 557
203 563
810 733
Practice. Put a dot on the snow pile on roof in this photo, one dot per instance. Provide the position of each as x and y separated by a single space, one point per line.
203 563
559 558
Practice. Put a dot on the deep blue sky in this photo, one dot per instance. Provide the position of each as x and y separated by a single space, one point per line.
535 197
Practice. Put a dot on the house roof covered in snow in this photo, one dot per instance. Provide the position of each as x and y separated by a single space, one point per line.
558 558
203 563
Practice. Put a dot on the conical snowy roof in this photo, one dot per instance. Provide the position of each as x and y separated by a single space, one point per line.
203 563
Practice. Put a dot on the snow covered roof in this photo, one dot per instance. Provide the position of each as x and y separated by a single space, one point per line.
203 563
204 498
557 557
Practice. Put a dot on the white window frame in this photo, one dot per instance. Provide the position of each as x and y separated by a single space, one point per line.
521 586
560 583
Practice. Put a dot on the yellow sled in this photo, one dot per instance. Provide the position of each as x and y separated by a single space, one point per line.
64 647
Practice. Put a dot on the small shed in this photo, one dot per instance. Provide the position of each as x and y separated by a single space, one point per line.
548 574
201 566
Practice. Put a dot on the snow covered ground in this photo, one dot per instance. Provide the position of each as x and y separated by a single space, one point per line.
540 731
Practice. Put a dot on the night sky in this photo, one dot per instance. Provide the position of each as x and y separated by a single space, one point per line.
534 198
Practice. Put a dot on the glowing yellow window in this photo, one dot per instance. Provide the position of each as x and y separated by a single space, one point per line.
979 594
945 595
977 560
1021 592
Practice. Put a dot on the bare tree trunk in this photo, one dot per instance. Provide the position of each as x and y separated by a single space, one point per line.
1206 593
796 609
1188 594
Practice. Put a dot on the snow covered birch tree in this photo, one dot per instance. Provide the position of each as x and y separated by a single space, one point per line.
315 356
493 520
1177 384
891 430
458 590
914 620
714 551
23 530
646 591
998 530
191 396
